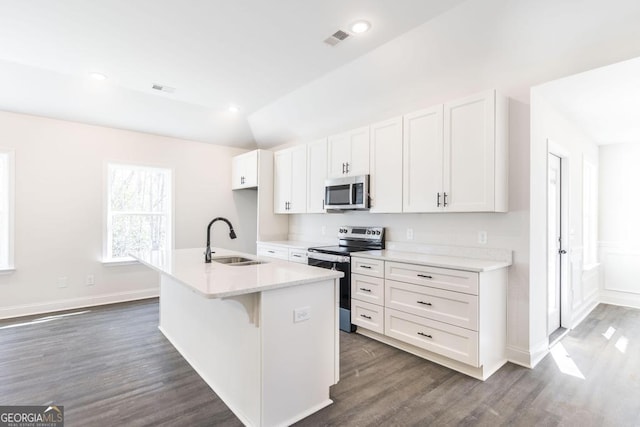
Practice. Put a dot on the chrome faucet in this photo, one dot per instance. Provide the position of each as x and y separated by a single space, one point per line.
232 234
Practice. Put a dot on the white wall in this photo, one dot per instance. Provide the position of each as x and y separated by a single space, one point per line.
619 225
59 169
547 123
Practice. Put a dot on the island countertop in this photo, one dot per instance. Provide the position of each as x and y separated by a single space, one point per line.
217 280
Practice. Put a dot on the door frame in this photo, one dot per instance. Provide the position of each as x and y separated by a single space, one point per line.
566 292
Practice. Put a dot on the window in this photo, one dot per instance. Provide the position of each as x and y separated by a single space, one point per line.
6 209
139 206
590 213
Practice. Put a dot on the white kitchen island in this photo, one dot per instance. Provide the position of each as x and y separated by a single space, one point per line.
264 337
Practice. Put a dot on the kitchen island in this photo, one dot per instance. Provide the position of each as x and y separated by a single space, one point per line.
263 336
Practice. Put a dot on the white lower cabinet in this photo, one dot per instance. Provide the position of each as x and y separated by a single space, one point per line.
270 251
453 317
366 315
285 251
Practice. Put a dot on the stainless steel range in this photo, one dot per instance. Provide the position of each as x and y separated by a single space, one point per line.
351 239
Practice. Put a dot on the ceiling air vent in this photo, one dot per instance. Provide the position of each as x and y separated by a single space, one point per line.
336 38
163 88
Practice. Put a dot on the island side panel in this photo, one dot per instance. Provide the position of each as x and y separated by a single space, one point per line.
220 341
298 357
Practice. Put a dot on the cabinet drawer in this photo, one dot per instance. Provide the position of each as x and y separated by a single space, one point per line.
366 288
443 278
368 267
455 308
273 252
368 316
450 341
298 255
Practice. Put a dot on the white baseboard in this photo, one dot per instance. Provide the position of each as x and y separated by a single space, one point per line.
518 356
620 298
584 311
74 303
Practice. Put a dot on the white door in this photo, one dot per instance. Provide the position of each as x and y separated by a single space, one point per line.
298 196
422 161
469 154
281 181
316 175
386 166
554 230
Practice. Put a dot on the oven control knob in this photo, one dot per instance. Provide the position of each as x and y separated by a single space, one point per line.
378 232
368 231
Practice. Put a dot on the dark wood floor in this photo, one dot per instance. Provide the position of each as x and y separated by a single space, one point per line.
112 367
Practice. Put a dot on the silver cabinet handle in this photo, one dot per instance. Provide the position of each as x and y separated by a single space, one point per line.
425 276
365 316
425 335
368 267
424 303
365 289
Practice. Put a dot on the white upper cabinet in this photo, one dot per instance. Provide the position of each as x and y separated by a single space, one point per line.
348 153
475 153
386 166
316 175
244 170
423 161
455 156
289 180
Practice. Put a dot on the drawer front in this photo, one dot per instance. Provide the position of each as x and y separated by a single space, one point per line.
368 316
443 278
298 255
455 308
450 341
368 289
273 252
368 267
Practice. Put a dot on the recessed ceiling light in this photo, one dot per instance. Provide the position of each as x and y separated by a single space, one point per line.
97 76
360 27
233 108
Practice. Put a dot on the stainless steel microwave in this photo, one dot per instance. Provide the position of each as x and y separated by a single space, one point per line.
348 193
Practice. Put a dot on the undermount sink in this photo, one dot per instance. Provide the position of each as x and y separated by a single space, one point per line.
236 261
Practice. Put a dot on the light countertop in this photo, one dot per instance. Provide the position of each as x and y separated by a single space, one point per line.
218 280
442 261
293 244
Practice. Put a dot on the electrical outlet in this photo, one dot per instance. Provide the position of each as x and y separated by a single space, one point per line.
482 237
409 233
301 314
90 280
62 282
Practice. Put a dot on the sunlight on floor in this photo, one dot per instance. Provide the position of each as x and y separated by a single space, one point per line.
609 333
565 363
44 319
622 343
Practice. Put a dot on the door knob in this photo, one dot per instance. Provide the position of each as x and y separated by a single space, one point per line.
562 252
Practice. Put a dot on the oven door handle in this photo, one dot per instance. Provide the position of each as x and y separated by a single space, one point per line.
327 257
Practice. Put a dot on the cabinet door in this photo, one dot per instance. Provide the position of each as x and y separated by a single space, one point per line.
469 141
338 152
281 181
358 161
422 161
298 180
316 175
244 170
348 153
386 166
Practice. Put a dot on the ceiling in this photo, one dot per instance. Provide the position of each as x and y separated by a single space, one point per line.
604 103
215 53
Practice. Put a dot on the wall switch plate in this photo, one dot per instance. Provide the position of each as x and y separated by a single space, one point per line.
90 280
62 282
482 237
409 233
301 314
